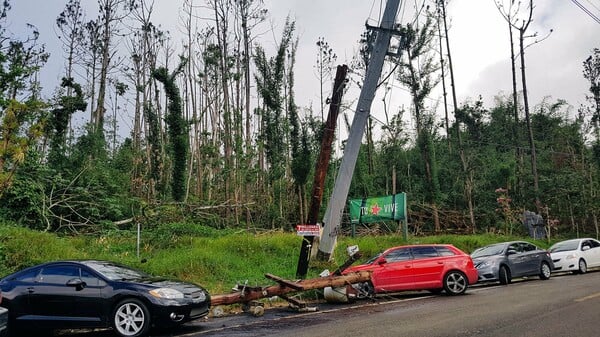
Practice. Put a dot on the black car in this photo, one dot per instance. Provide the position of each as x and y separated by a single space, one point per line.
3 318
95 294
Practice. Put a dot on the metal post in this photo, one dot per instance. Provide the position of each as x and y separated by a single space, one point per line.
139 230
333 213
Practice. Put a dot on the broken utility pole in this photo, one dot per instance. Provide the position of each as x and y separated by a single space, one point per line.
333 213
246 294
322 167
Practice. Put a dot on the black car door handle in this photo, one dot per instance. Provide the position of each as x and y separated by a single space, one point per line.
31 290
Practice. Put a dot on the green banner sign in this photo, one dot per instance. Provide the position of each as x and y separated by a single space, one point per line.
391 207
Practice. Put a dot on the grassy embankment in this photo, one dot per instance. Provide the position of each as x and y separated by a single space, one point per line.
216 259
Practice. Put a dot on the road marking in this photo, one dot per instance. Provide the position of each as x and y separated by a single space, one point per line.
293 316
587 297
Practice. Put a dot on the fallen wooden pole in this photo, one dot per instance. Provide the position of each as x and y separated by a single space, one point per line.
247 294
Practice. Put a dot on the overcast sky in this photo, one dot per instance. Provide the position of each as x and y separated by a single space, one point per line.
478 37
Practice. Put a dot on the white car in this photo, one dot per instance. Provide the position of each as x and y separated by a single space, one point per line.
576 255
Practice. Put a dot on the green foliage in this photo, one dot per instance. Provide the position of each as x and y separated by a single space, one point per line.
417 73
82 187
59 121
24 201
79 197
21 126
20 60
299 138
269 82
591 72
177 128
154 143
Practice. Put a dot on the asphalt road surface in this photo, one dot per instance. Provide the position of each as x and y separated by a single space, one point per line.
563 306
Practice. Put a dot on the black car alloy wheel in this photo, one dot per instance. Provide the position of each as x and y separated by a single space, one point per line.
131 318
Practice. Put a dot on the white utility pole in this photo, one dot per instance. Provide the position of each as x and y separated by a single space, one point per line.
333 213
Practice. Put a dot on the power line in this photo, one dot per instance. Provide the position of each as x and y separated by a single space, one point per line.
593 5
587 11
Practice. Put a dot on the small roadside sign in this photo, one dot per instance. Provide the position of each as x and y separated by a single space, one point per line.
308 230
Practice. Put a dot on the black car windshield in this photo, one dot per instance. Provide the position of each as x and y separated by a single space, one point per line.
116 272
564 246
488 251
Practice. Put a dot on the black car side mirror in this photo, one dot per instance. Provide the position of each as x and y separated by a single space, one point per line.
76 283
511 252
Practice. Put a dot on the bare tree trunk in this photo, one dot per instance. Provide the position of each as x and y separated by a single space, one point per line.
595 217
516 139
107 12
191 99
221 11
534 171
467 175
443 70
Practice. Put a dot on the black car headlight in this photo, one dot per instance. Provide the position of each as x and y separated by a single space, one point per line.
166 293
201 297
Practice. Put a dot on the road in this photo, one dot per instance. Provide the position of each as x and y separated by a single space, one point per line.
565 305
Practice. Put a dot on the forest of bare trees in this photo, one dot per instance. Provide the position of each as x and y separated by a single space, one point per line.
217 137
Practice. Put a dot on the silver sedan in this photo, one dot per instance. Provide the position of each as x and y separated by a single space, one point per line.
507 260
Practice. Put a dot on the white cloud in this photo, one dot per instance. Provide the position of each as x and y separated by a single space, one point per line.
478 36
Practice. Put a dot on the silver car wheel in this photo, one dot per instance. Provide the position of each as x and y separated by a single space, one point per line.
545 271
455 283
582 266
130 318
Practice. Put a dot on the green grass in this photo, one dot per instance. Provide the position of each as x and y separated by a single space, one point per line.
217 260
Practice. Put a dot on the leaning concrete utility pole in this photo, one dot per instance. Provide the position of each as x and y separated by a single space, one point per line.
333 213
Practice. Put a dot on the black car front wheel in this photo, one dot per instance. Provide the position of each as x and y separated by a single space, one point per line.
545 271
131 318
455 283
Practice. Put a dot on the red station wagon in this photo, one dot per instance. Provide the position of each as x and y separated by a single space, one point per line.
434 267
